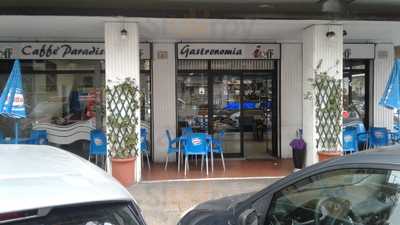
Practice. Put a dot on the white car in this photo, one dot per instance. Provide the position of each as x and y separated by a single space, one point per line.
45 185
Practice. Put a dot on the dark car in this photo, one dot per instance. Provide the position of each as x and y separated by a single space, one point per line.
360 189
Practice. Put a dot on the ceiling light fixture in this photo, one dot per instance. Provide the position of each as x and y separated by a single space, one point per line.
330 34
124 34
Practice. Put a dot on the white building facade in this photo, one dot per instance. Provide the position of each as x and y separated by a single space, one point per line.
246 77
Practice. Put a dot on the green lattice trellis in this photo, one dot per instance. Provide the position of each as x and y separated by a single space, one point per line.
328 111
123 101
327 95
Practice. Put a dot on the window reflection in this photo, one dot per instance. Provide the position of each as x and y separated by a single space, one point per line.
192 100
59 92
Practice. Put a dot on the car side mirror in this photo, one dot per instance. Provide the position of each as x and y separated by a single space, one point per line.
248 217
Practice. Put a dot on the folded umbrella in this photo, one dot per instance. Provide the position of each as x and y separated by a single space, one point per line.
12 104
391 95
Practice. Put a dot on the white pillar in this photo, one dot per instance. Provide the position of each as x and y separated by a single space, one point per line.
164 105
122 60
317 46
383 63
291 94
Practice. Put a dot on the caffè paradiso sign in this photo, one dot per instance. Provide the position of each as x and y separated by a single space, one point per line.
53 50
228 51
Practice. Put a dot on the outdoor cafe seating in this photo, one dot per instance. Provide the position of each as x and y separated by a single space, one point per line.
355 139
37 137
195 144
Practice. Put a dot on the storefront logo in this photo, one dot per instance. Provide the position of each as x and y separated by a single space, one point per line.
6 53
63 51
347 53
260 53
187 51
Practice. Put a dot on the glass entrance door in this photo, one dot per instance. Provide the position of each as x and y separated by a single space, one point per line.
356 91
226 110
237 97
258 119
192 101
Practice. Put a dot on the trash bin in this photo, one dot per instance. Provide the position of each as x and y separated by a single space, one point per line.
299 155
299 150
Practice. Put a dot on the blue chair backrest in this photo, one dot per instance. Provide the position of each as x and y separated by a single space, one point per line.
196 143
361 132
169 138
378 136
1 137
39 137
143 139
186 131
98 143
350 143
221 135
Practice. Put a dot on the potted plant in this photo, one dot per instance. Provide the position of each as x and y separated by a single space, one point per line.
299 150
123 102
327 92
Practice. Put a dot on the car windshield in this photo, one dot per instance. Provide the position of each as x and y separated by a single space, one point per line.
346 196
103 214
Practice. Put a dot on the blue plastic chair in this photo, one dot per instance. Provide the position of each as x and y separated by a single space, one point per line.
378 136
186 131
98 146
172 147
1 138
362 134
196 144
218 146
38 137
144 146
350 141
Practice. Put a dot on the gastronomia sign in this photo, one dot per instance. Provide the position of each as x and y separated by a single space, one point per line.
53 50
228 51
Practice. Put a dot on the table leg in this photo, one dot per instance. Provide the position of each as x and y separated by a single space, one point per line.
212 157
179 156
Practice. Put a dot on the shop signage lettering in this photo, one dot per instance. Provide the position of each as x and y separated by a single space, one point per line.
65 50
6 53
186 51
52 50
228 51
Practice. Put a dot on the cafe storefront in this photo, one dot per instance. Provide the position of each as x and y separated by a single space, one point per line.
249 85
63 88
230 88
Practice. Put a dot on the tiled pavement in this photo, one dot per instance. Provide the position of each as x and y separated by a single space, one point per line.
164 202
234 169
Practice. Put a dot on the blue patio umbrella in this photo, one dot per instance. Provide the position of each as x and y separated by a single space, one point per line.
12 103
391 95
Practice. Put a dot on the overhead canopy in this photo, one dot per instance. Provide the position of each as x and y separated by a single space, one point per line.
223 9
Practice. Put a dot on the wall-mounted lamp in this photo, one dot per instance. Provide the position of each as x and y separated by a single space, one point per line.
124 34
330 34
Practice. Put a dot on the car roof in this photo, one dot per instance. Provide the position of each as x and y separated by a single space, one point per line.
40 176
378 157
389 155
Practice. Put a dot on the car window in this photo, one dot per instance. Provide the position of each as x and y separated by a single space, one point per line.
341 197
104 214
